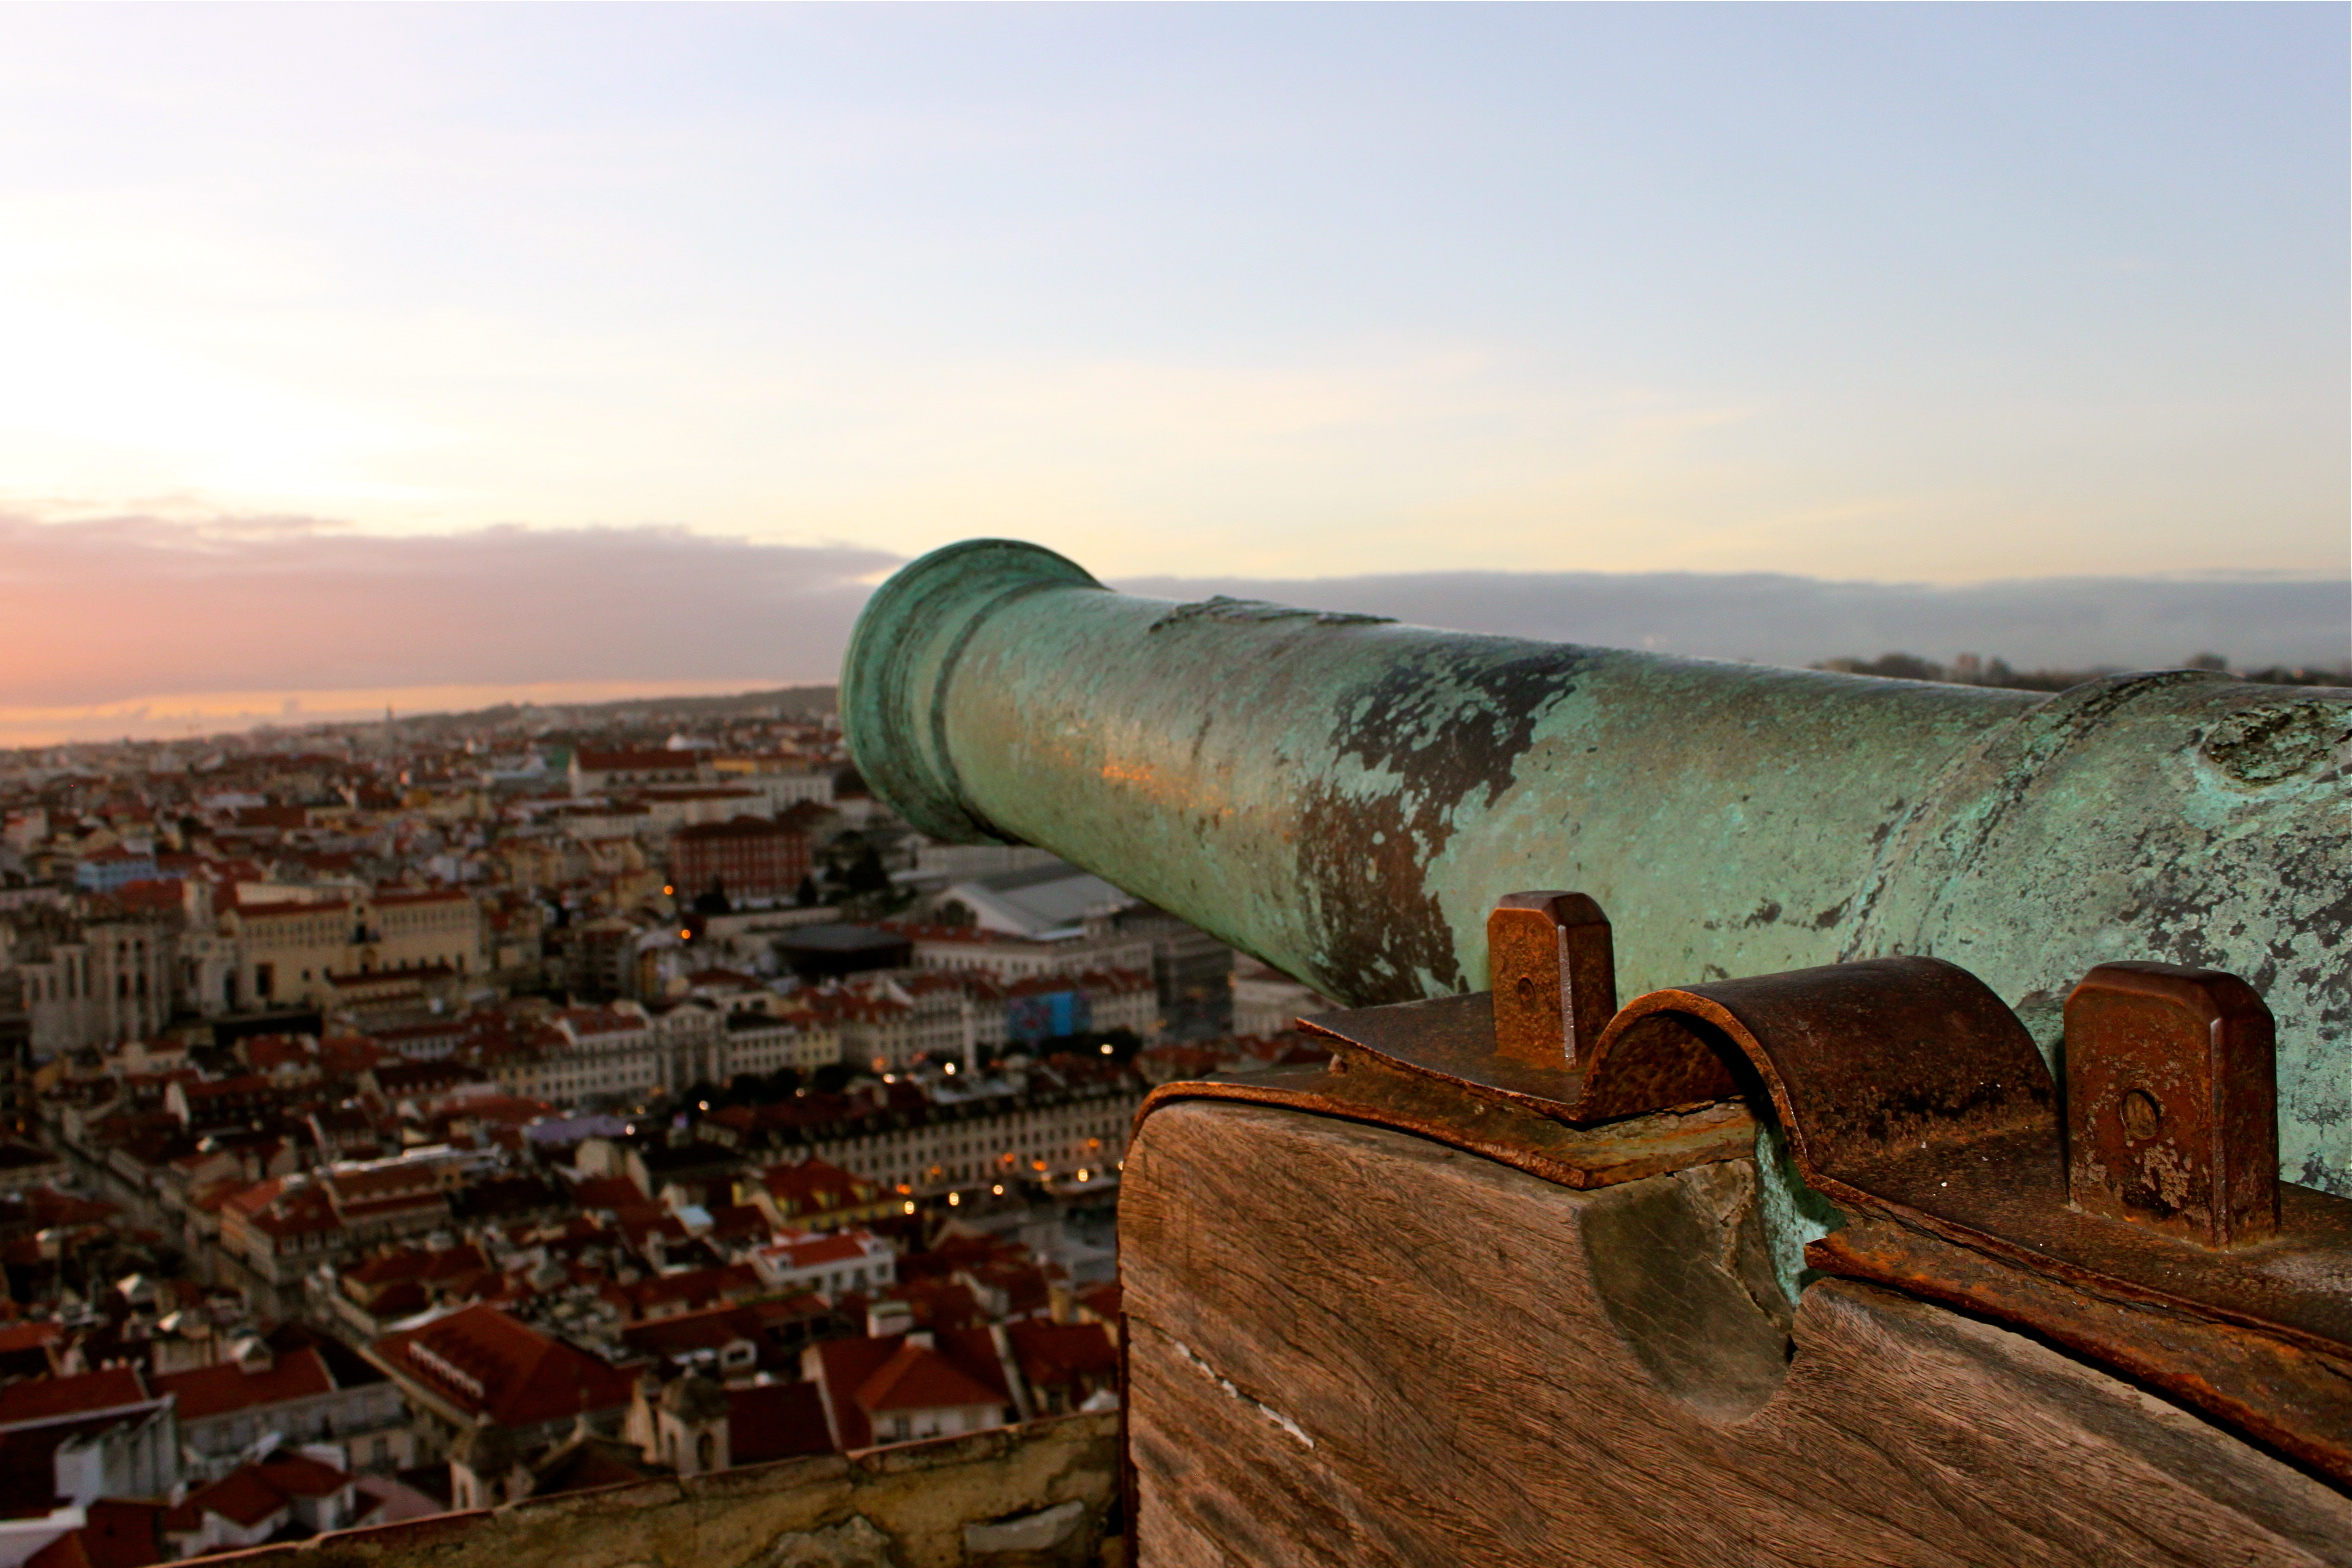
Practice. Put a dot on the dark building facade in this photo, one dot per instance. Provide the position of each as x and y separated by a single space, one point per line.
748 858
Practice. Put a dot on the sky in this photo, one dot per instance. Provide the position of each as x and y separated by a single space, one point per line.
359 353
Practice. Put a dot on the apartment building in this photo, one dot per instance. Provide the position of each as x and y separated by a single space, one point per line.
625 1051
764 1043
747 857
289 952
603 772
583 1052
1053 1122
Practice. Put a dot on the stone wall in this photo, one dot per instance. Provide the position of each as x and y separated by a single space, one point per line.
1043 1495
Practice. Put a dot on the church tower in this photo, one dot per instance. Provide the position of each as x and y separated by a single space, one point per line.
691 1422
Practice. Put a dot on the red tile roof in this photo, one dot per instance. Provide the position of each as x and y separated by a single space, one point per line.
682 1333
1063 1353
404 1299
281 1213
44 1399
816 1185
28 1465
787 1310
299 1475
47 1206
938 1303
608 1192
389 1181
324 906
117 1535
219 1389
479 1359
844 1365
242 1497
149 895
771 1421
972 1351
695 1287
415 1263
918 1379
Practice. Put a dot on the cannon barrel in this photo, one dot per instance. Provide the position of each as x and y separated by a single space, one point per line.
1346 797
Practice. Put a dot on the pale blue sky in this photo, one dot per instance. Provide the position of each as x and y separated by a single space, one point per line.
1918 292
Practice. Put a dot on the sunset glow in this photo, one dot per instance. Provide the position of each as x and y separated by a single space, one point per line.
1913 294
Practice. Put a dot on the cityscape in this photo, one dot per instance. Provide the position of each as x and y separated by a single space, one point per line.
434 1114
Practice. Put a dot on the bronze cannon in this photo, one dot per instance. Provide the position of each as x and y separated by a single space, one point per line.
1451 1302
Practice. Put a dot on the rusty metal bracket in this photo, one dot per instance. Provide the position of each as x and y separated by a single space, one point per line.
1552 971
1915 1101
2143 1226
1549 1037
1359 1086
2172 1102
1493 1072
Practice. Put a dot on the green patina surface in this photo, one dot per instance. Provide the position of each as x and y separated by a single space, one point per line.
1345 798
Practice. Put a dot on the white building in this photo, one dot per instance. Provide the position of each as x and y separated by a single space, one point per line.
1047 1125
829 1265
1009 957
763 1044
603 772
783 791
1031 902
584 1051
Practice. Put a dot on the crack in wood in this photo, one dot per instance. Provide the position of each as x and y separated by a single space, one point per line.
1192 1359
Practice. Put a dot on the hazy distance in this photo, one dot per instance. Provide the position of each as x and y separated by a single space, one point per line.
286 620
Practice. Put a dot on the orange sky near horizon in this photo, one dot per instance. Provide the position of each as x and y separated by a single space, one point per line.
199 715
409 349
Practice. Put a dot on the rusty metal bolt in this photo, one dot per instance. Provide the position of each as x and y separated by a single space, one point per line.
1553 971
2172 1102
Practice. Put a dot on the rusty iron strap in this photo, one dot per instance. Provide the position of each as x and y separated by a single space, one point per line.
1914 1100
1360 1086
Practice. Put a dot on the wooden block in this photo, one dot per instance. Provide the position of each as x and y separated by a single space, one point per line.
1349 1345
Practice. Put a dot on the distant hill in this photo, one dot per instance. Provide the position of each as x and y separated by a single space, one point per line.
783 702
2034 623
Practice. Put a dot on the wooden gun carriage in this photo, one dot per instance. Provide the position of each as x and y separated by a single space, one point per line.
1925 1205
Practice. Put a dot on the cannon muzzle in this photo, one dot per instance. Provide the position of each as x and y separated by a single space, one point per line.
1346 798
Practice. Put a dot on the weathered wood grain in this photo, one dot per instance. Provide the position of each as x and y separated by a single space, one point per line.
1352 1346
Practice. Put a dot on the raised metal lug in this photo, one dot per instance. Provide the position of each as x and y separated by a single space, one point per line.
1553 975
2172 1102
